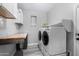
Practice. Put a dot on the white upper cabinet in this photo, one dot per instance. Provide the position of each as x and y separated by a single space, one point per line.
68 25
8 10
20 17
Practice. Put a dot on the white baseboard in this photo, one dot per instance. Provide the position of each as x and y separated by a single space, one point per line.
32 44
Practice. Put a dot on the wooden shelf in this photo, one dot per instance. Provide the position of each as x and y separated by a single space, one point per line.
5 13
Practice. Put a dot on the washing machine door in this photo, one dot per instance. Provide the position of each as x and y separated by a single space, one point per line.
45 38
39 35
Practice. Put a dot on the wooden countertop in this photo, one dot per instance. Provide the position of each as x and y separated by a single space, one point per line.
13 38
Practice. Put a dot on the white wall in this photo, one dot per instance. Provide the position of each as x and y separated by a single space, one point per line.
60 12
10 27
28 28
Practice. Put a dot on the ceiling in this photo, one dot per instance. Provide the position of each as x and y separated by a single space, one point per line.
45 7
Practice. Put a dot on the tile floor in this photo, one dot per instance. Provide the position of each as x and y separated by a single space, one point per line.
32 51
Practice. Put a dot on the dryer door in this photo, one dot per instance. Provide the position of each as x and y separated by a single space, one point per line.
39 35
45 38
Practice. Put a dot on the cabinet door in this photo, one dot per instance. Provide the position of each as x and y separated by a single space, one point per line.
77 48
11 7
20 17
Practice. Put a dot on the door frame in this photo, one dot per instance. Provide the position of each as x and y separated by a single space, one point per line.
75 29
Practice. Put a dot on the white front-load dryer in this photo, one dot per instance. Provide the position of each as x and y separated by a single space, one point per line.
54 41
40 44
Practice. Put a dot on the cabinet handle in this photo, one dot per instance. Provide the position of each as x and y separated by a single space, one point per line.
77 38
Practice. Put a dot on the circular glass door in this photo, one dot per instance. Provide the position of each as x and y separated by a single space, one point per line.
39 35
45 38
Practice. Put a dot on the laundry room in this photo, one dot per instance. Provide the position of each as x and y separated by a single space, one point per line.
39 29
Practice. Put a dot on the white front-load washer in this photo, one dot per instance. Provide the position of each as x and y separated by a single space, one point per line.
40 33
54 41
39 39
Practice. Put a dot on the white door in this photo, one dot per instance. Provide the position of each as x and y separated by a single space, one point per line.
77 20
77 41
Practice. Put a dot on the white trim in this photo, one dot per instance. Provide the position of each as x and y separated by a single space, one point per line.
74 21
